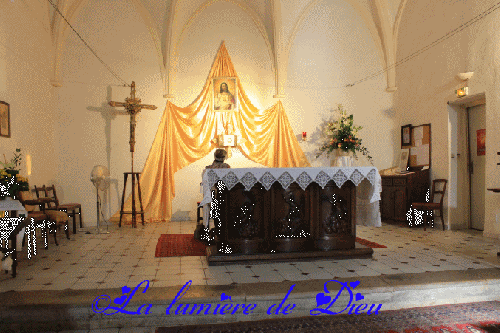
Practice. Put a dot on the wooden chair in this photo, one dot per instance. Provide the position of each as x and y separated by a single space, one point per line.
72 209
41 220
429 207
51 209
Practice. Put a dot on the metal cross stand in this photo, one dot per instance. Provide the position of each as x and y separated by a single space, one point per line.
133 106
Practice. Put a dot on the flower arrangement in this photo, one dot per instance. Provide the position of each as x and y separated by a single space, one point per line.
342 134
10 180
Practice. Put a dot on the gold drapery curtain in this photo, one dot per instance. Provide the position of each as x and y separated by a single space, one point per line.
185 136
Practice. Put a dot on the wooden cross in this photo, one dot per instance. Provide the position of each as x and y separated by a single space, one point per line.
133 106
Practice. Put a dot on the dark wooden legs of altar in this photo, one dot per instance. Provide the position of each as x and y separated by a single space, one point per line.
285 224
134 212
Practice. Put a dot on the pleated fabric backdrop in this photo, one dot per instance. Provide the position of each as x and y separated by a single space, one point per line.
186 135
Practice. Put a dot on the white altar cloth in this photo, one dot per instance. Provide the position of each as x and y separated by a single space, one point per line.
366 179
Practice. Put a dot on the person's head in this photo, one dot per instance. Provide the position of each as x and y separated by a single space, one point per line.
220 155
223 87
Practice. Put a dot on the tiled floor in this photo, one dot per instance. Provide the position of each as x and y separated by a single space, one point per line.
125 256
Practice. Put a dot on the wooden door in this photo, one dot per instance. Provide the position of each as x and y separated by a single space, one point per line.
477 165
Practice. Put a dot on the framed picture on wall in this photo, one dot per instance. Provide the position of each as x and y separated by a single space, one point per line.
406 135
225 94
403 160
4 119
481 142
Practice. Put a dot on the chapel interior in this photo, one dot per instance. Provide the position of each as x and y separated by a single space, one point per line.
428 69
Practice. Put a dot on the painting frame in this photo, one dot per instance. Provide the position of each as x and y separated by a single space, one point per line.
404 156
5 120
406 135
225 101
481 142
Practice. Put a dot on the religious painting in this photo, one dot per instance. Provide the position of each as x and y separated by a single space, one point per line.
406 136
403 160
4 119
481 142
225 94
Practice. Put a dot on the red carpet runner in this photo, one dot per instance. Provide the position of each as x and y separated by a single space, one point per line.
373 245
184 245
179 245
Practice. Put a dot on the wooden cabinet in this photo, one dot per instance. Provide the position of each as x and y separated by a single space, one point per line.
399 191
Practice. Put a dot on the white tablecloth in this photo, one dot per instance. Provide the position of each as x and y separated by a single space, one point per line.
6 228
366 179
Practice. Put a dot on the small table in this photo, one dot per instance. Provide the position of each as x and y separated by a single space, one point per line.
134 211
495 190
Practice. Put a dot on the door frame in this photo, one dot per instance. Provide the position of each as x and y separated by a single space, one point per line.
456 109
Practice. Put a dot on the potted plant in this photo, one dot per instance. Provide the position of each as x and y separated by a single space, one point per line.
10 180
341 137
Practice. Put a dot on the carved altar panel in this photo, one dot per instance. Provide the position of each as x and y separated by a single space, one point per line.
336 227
290 219
245 212
244 216
286 220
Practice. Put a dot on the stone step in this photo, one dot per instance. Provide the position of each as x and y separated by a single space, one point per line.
33 311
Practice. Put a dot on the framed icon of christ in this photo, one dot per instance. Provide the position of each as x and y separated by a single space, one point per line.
225 94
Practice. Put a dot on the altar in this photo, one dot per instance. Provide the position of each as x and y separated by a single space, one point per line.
289 213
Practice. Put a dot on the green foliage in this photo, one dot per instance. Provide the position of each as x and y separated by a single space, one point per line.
10 180
342 134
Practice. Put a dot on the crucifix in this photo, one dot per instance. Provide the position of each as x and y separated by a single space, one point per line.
133 106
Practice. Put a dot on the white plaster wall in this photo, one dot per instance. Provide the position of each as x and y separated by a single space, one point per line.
88 134
332 49
25 60
427 82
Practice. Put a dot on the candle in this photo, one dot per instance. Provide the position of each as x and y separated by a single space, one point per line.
304 135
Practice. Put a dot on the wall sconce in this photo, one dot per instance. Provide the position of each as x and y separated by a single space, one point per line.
464 91
304 136
464 76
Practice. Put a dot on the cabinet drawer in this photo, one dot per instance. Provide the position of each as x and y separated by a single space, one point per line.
399 181
387 181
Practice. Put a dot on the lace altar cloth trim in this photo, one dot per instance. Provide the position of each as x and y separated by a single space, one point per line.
367 193
248 177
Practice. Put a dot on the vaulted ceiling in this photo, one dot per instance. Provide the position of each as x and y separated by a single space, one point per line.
277 20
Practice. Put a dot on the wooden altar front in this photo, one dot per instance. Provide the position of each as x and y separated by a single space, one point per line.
282 224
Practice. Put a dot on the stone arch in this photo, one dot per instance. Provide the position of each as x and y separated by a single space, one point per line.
360 10
252 14
397 22
61 29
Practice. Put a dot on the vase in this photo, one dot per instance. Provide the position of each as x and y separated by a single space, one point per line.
12 172
342 158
